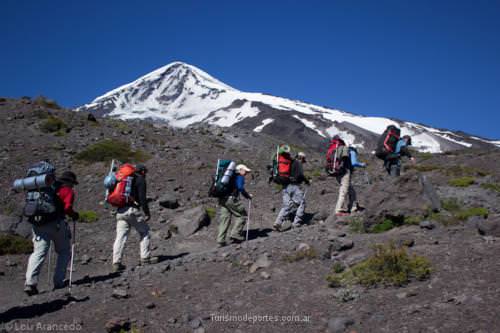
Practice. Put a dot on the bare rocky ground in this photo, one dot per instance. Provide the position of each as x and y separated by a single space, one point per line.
195 282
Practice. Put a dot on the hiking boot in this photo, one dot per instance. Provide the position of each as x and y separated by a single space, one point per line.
342 213
118 267
236 240
277 227
222 244
30 290
149 261
61 285
296 225
356 209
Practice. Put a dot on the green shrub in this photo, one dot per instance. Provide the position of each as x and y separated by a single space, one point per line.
424 156
120 125
302 254
457 212
470 212
53 124
491 186
48 103
413 220
11 244
451 204
357 225
386 225
463 171
462 181
88 216
388 266
211 212
338 268
109 149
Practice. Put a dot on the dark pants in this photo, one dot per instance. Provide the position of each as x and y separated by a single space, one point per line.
392 164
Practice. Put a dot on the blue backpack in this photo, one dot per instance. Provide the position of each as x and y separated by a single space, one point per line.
353 154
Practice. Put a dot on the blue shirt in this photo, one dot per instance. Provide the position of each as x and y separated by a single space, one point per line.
240 183
239 187
400 145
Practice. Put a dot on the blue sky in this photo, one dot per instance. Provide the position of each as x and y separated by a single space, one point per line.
434 62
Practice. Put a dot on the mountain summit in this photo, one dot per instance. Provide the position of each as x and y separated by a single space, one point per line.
183 95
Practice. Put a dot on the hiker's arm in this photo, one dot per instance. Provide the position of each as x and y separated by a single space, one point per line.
302 177
67 196
406 152
240 186
142 199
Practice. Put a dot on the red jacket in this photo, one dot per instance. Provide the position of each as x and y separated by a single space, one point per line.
67 196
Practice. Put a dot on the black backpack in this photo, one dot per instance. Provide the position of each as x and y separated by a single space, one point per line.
42 204
388 141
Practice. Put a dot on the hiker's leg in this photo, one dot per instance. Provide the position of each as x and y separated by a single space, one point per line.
353 198
41 246
122 230
239 218
286 208
300 202
62 245
395 169
224 219
345 181
138 221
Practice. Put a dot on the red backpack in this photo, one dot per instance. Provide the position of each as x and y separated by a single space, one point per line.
333 160
121 194
388 141
284 165
282 168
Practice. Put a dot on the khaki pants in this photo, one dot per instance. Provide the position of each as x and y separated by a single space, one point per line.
231 210
346 191
59 233
125 218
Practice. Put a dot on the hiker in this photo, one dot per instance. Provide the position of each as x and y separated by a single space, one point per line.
392 162
341 162
293 195
132 212
53 228
231 208
390 147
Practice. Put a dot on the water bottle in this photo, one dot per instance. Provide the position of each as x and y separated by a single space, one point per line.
128 188
228 173
33 183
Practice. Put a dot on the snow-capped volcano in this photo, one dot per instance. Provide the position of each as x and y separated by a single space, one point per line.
183 95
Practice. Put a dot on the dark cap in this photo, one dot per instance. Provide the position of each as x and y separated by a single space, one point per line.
141 168
68 177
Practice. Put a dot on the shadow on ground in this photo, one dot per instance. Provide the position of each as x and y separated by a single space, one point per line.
37 310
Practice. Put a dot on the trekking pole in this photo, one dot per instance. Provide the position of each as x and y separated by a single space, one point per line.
49 263
367 178
248 220
73 243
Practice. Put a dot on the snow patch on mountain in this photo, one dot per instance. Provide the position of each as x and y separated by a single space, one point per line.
310 125
348 138
265 122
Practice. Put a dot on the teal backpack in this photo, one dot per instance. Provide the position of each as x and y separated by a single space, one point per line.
221 182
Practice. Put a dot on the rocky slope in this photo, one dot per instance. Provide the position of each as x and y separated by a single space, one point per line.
183 95
195 282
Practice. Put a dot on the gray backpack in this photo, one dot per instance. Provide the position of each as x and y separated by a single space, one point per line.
41 203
